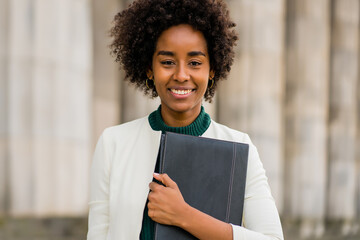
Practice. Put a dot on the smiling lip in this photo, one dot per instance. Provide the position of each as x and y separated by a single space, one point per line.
181 93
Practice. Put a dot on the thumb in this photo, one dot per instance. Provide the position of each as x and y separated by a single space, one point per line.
165 179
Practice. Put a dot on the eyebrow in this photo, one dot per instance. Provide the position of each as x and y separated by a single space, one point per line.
166 53
191 54
196 53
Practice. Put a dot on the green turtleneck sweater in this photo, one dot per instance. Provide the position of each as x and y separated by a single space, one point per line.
196 128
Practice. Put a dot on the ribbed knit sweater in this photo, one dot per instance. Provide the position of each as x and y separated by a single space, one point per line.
196 128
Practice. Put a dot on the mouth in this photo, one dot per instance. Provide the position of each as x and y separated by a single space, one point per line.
181 91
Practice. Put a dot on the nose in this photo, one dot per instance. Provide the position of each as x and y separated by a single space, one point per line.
181 73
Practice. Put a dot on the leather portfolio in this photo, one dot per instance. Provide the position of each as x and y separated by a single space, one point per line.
210 174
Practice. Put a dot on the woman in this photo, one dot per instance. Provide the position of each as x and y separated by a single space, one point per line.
177 50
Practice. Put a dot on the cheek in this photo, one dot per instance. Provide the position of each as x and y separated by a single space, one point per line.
203 80
159 85
162 75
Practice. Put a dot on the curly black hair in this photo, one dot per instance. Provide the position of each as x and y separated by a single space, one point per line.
137 28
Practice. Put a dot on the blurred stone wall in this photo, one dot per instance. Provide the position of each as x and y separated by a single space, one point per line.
45 107
294 87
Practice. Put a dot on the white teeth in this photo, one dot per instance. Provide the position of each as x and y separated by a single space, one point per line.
181 92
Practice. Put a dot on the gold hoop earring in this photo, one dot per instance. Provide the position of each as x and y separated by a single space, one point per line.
147 85
212 82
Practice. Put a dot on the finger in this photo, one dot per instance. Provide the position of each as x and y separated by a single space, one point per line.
150 205
167 181
158 177
152 197
154 186
151 213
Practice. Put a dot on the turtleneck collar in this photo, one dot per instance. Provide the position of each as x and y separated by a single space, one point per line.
196 128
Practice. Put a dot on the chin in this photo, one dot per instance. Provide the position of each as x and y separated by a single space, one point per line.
182 108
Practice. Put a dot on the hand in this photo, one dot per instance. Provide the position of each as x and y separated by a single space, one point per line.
166 204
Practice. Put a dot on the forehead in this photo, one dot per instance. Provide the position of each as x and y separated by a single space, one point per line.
181 38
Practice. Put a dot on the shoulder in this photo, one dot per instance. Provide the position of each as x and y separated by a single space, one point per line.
118 138
126 128
126 133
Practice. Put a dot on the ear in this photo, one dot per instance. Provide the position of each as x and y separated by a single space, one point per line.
149 74
211 74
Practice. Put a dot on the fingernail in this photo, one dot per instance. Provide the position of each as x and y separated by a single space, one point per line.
156 174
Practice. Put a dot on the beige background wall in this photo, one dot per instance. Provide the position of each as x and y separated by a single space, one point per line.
294 88
46 106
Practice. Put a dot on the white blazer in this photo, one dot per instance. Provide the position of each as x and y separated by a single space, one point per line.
122 168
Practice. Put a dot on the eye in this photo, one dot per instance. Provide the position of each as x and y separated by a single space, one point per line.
167 62
195 63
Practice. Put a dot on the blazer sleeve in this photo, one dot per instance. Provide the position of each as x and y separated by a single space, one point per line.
99 192
261 219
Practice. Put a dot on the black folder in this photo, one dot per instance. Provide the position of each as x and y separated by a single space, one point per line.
210 174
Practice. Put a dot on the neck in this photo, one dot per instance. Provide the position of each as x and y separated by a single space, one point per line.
176 119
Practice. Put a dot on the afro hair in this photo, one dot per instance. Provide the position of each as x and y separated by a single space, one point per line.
137 28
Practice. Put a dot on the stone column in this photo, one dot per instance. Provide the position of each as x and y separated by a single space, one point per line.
20 80
343 112
49 107
251 99
134 103
358 149
4 157
307 86
107 77
358 142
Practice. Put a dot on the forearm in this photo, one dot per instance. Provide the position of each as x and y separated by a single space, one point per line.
204 226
